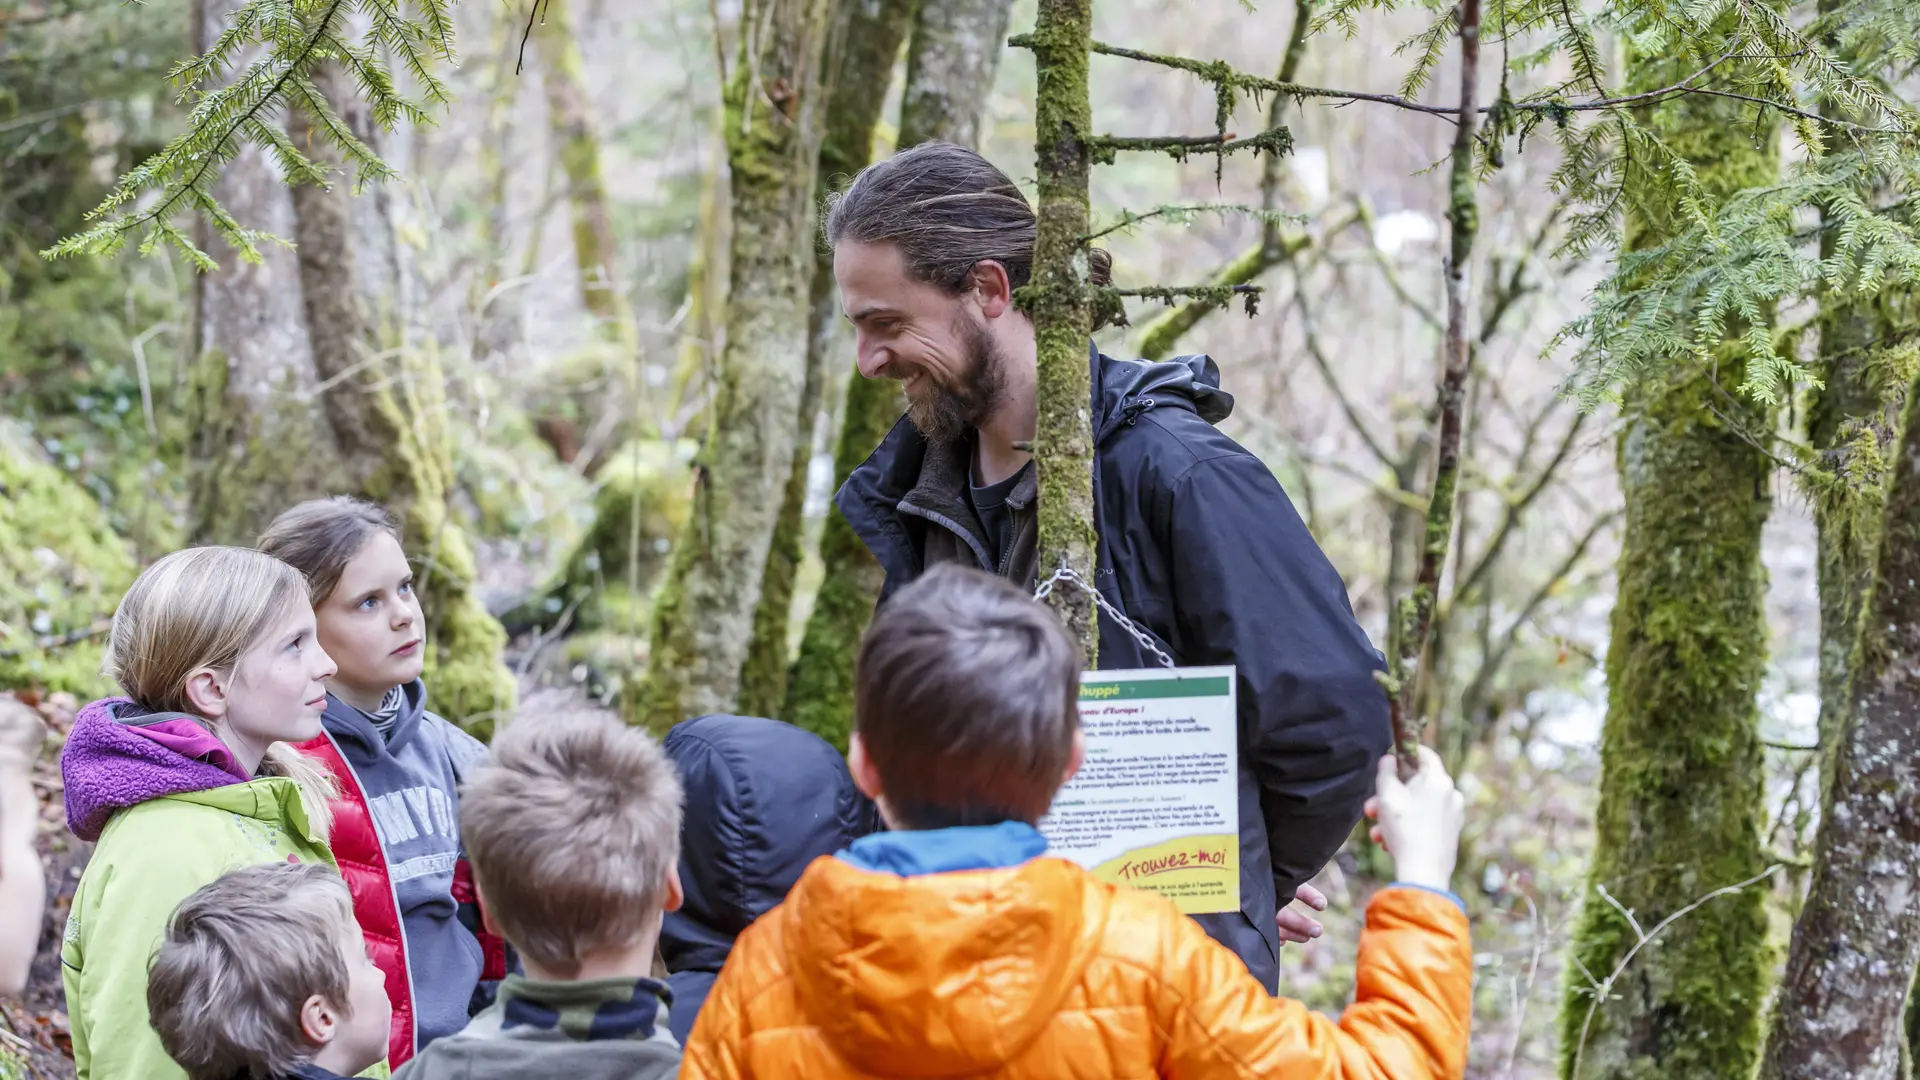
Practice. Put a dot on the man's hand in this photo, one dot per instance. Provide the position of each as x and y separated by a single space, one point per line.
1298 926
1419 821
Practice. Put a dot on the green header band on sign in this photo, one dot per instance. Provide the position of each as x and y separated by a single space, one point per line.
1218 686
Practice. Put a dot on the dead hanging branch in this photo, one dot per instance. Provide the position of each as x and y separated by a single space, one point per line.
1277 141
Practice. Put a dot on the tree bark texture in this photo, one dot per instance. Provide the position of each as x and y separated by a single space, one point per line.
1840 1011
703 618
1849 426
259 442
861 52
1062 313
1680 791
384 402
951 63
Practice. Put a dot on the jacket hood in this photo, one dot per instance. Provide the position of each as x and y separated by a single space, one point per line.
764 799
1123 389
947 974
120 755
350 725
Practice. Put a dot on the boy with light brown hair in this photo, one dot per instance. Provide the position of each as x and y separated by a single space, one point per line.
573 829
263 974
954 947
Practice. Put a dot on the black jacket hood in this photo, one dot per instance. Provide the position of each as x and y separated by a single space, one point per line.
764 799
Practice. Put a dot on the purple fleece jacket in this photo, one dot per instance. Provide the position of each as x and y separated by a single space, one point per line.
120 755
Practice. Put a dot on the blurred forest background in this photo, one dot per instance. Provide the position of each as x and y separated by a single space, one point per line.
530 345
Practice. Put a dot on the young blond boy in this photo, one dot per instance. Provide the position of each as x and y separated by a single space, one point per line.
573 830
953 947
263 974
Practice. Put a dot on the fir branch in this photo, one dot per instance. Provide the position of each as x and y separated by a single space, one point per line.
293 37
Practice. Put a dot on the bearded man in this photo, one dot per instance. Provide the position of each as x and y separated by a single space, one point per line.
1198 544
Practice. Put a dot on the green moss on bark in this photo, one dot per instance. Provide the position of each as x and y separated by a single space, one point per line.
1681 771
869 43
62 570
703 618
609 577
955 51
1062 314
820 697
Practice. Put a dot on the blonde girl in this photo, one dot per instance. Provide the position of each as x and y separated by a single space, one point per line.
191 774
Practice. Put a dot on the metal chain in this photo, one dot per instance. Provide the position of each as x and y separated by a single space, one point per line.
1067 574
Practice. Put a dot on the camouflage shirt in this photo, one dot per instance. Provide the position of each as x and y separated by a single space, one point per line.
605 1029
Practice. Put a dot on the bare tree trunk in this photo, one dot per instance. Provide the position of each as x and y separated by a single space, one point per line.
951 62
703 619
259 442
1680 788
1855 946
860 59
950 70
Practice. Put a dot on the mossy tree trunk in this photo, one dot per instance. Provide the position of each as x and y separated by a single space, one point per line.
258 445
386 411
1847 512
569 118
1840 1011
703 618
1680 790
609 419
952 59
860 56
1061 310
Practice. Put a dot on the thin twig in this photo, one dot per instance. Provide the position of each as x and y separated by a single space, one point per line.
1601 989
1348 408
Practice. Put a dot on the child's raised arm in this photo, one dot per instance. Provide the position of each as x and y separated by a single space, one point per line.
1413 997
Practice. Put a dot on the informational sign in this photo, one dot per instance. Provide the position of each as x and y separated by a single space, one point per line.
1156 803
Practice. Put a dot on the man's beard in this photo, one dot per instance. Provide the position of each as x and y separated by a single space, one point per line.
944 412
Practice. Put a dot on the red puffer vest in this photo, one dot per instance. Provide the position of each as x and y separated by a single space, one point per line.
363 862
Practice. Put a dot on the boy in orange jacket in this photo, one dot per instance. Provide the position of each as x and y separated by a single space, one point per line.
953 947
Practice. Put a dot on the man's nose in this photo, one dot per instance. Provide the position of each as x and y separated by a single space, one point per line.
871 359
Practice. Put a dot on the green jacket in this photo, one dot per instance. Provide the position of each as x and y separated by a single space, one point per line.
149 858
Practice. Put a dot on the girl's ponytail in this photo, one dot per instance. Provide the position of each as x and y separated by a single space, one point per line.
317 786
205 607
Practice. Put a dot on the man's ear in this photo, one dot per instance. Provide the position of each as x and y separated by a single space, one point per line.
1077 758
675 894
993 288
207 693
317 1021
865 776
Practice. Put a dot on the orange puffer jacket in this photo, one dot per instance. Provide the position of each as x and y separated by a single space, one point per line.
1042 971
